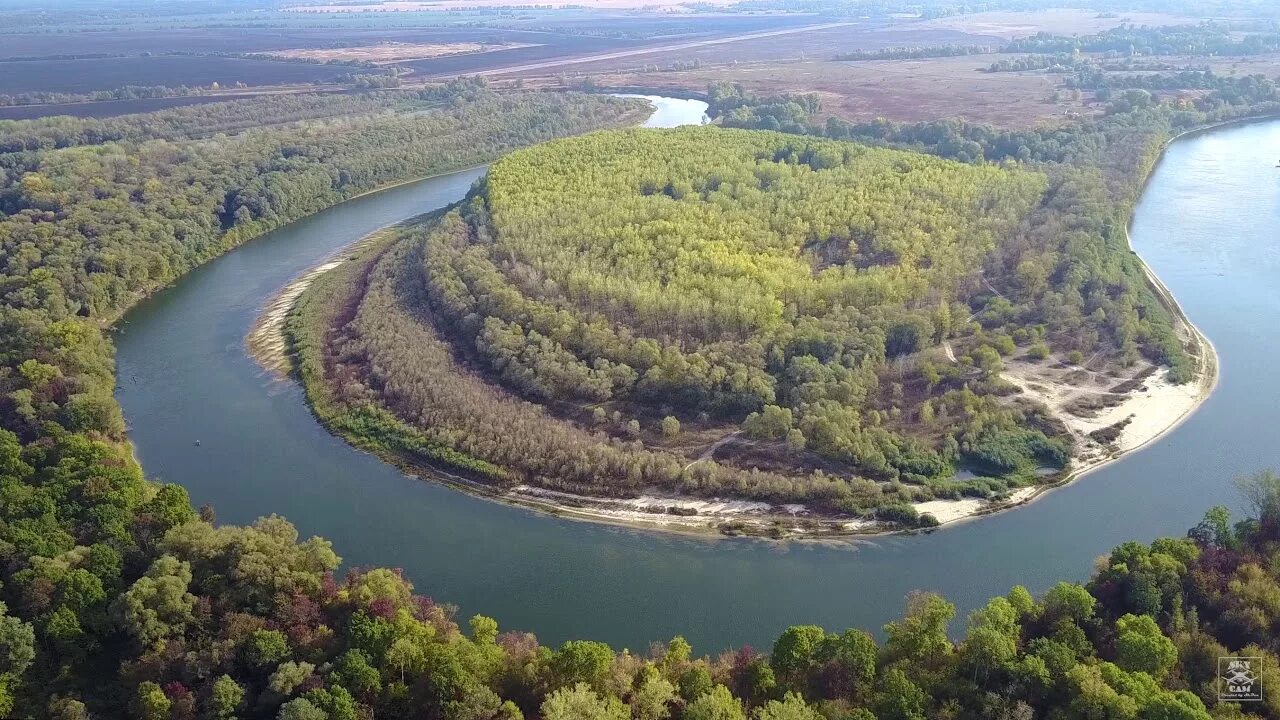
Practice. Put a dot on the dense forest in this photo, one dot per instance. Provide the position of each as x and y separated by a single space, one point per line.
1198 40
651 291
96 213
129 605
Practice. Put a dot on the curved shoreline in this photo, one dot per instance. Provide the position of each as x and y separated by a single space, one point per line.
270 352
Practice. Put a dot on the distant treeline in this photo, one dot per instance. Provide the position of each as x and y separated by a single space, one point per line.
382 78
1204 40
918 52
1196 40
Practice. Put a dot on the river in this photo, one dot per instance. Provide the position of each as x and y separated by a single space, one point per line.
1206 225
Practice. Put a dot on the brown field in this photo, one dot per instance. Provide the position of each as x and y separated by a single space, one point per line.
392 52
1268 65
903 90
1010 25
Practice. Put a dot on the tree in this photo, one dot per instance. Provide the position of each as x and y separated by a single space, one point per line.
1215 529
849 663
1262 493
921 635
353 672
265 648
897 698
772 422
580 702
406 654
795 440
992 640
225 698
158 605
795 654
582 662
17 644
650 700
1068 601
719 704
151 703
1141 647
289 675
792 707
695 681
301 709
670 427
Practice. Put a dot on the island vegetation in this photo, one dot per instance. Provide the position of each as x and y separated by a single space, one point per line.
710 312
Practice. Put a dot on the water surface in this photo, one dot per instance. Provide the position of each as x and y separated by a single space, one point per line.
1207 225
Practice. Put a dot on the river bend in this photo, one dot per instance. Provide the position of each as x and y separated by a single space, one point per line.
1207 225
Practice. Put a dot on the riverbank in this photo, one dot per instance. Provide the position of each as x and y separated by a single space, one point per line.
267 342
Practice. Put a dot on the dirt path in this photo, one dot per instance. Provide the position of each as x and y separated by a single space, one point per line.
711 451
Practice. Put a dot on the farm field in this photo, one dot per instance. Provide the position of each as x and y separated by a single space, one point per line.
392 52
560 29
87 75
903 90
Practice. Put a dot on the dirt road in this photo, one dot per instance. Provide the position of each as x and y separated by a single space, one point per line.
558 62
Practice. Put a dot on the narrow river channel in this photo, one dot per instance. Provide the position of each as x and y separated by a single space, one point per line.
1206 225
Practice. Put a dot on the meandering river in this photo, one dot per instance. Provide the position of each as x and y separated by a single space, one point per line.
1207 225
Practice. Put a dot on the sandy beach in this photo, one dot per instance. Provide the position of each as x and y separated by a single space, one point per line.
266 341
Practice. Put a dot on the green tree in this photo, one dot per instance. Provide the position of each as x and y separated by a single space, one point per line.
580 702
795 654
1068 601
17 644
301 709
158 605
852 655
992 638
792 707
897 698
719 704
652 698
582 661
225 698
921 635
670 427
265 648
150 702
1141 647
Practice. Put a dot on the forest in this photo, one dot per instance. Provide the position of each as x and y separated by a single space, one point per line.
651 291
94 214
126 603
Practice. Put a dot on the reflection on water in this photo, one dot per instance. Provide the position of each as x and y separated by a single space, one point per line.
1206 225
